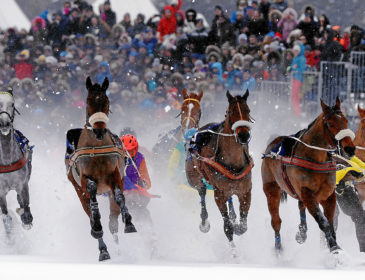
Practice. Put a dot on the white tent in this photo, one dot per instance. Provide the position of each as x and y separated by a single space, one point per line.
12 16
133 7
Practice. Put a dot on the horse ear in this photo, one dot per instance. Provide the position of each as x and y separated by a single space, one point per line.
89 84
246 95
361 111
105 84
184 94
324 106
338 103
229 96
200 95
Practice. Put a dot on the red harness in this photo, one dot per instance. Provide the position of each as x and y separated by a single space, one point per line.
14 166
224 171
325 167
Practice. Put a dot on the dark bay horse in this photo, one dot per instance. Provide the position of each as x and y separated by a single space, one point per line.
221 157
97 165
15 163
307 172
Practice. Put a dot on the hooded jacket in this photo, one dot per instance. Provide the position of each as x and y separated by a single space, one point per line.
167 25
101 75
298 64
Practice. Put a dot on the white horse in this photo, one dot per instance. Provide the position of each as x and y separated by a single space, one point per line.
15 163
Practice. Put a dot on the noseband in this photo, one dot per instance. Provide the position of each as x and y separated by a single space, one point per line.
240 123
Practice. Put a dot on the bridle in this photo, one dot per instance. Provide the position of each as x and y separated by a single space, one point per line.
344 132
195 122
12 115
240 123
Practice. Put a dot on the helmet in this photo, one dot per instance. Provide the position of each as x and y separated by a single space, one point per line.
190 133
130 142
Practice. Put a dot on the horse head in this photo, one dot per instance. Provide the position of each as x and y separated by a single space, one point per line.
7 111
238 117
190 110
336 128
97 108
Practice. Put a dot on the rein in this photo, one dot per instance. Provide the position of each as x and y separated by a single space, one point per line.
224 171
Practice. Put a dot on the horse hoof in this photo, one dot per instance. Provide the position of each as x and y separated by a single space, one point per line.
204 227
338 258
116 238
104 255
129 229
301 237
233 249
239 229
26 218
27 226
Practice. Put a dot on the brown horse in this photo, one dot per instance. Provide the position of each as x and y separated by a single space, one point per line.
190 110
221 157
307 173
359 142
97 164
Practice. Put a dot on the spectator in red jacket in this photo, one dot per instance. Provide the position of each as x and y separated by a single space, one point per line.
23 69
167 24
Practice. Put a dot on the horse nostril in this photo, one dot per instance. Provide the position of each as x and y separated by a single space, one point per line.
244 136
350 150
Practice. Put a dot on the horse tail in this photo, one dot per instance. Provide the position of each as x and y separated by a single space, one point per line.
283 197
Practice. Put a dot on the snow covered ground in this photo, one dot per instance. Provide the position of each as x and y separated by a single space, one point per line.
61 231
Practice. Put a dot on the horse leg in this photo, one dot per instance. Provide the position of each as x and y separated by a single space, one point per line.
231 212
24 211
126 217
113 217
245 203
195 180
7 220
221 200
273 195
204 225
96 228
325 221
301 235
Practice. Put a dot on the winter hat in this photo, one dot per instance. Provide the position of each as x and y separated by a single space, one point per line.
25 53
98 58
51 60
296 48
156 62
41 58
69 56
241 37
198 63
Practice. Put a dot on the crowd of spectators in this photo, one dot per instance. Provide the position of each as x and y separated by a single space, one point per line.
149 61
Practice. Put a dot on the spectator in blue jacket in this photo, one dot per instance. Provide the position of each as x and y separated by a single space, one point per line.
249 82
297 68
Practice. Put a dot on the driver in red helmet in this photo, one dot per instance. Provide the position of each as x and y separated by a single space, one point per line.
136 172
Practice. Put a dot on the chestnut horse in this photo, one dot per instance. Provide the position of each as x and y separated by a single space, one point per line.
224 162
97 165
190 110
359 142
308 173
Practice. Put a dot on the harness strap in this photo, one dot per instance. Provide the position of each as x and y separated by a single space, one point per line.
287 180
95 152
325 167
224 171
14 166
